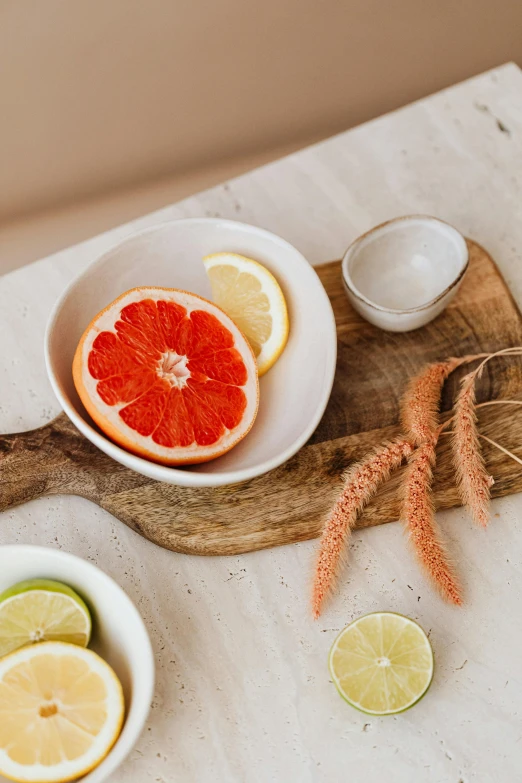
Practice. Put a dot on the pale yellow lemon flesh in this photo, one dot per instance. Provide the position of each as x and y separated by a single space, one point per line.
61 710
253 299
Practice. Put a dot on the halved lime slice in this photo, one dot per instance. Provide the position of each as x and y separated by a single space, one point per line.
40 610
382 663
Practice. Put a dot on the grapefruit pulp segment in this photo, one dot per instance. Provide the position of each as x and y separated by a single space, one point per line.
167 375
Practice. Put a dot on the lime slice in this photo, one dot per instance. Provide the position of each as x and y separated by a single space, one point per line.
382 663
42 610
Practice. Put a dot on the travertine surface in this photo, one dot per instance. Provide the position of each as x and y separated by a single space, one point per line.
243 692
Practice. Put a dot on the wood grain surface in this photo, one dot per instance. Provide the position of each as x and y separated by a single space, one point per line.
289 504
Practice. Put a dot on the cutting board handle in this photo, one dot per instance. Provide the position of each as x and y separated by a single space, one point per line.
58 459
38 462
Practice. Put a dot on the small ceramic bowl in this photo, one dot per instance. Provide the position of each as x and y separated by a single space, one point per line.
119 635
293 393
403 273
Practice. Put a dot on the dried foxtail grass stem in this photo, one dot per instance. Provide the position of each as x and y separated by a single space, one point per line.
420 417
361 482
418 515
421 401
473 480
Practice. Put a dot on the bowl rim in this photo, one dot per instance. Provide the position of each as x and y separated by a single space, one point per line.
350 285
137 716
185 477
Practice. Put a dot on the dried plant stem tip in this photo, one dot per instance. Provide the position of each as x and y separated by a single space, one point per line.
419 518
473 480
360 483
420 403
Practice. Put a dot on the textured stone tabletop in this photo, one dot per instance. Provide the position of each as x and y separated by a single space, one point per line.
243 693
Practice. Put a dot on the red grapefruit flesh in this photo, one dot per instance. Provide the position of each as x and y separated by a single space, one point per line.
168 376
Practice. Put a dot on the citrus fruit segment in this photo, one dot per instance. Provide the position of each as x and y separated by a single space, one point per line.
42 610
382 663
252 297
61 709
167 375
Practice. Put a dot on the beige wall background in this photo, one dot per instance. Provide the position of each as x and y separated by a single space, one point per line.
101 96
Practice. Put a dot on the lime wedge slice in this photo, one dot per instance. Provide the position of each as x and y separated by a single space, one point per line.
42 610
382 663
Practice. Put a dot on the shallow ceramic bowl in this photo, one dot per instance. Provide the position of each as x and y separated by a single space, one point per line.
293 394
402 274
119 635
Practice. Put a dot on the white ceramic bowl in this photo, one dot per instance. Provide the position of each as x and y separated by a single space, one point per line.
403 273
119 635
293 394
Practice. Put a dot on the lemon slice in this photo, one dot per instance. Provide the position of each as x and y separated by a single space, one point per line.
382 663
253 299
61 710
42 610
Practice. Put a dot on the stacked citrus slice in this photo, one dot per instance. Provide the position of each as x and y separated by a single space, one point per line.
61 710
40 610
61 705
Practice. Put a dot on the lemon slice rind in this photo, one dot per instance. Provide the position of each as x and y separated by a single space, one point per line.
272 348
14 669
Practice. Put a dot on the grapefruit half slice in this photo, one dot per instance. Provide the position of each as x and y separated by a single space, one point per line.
168 376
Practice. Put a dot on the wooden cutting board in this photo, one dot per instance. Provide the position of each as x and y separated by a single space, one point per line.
289 504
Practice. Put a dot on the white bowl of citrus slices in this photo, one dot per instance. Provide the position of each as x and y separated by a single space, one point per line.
76 669
199 352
